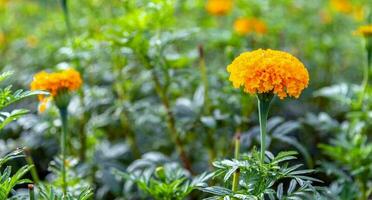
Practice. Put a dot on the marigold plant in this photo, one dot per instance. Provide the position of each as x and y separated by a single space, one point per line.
265 71
219 7
245 26
55 83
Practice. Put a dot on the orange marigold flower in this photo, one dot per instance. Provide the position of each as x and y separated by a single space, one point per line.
365 31
219 7
245 25
55 83
265 71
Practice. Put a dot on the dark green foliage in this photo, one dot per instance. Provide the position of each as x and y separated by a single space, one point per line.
259 180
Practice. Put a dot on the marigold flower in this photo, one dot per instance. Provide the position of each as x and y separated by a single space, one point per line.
245 25
219 7
365 31
265 71
55 83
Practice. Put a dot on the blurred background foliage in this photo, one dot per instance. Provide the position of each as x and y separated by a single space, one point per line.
155 83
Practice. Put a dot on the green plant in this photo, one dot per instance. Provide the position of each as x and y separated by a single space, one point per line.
352 163
165 182
8 180
50 193
8 97
258 180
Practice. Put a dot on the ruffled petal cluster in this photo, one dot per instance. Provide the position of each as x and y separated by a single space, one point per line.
219 7
265 71
54 83
245 26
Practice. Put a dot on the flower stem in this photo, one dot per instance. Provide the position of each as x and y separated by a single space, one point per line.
171 123
30 161
31 191
367 73
264 101
63 114
66 16
235 185
206 107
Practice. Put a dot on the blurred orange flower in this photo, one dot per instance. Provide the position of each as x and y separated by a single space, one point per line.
245 25
265 71
346 7
55 83
219 7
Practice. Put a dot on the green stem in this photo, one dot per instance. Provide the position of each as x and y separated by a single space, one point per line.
63 114
30 161
367 73
206 107
31 191
235 185
66 17
171 123
264 101
131 137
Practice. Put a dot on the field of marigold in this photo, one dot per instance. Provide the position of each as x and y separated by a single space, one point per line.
185 100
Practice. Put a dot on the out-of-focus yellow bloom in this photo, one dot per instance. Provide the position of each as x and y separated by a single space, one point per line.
269 71
343 6
346 7
32 41
219 7
2 38
55 83
245 25
365 31
358 13
3 3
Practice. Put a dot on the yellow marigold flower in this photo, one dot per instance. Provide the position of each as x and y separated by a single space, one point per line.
219 7
265 71
245 25
55 83
365 31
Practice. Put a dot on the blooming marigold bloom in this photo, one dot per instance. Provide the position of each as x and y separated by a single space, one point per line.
265 71
219 7
365 31
249 25
55 83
